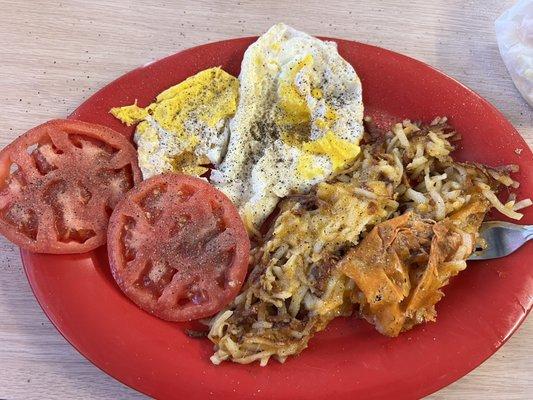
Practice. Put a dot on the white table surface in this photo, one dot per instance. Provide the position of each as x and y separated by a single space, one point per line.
54 54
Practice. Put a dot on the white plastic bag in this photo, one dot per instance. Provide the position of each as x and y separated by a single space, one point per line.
514 33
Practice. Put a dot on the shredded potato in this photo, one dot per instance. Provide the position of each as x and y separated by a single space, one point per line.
295 289
522 204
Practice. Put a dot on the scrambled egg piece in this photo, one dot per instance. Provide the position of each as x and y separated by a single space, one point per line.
186 127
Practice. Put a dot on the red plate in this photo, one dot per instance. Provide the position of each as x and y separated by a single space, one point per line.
482 307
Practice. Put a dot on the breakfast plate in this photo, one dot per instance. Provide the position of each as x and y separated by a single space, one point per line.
349 359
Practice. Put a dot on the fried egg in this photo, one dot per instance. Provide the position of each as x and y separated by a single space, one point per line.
291 120
298 120
186 127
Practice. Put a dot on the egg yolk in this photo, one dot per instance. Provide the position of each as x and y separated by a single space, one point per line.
295 124
340 152
130 115
293 105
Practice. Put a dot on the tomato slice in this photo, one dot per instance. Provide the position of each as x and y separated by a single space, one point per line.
59 183
178 248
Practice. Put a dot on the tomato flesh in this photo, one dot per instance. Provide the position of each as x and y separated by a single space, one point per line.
178 248
59 183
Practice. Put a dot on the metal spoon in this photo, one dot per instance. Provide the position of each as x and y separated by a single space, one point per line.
502 238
